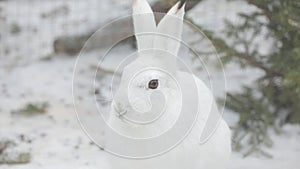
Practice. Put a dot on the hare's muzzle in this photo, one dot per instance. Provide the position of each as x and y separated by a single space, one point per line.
119 108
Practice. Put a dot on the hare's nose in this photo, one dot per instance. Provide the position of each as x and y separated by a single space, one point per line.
119 107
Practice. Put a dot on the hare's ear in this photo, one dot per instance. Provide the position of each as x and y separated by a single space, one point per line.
144 24
169 30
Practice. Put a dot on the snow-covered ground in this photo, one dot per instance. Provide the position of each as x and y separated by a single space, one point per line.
55 138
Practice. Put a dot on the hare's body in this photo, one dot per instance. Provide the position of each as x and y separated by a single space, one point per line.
181 104
214 154
190 153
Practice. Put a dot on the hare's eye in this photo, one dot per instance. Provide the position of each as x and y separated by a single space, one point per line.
153 84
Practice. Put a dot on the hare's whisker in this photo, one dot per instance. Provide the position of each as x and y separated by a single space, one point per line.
104 100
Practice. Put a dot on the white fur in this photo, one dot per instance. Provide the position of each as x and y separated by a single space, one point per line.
142 13
169 30
132 96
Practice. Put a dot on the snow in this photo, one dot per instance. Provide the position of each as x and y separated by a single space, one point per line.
57 140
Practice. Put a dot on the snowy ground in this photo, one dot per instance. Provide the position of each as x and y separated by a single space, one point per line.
55 138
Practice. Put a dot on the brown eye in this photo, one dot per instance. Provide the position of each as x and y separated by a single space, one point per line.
153 84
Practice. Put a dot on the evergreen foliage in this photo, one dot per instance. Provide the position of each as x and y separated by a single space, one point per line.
274 99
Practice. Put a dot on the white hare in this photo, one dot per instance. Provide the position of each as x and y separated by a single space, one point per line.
154 94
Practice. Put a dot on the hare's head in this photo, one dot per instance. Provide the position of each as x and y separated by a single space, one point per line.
149 83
